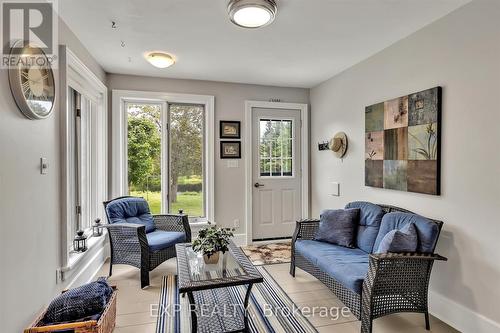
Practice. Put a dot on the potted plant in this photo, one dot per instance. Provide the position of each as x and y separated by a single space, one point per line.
211 241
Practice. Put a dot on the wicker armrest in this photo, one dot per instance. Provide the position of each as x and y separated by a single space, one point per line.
407 256
123 225
398 274
173 222
305 229
127 237
305 221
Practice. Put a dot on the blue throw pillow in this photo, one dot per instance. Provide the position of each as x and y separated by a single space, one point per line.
338 227
88 300
397 241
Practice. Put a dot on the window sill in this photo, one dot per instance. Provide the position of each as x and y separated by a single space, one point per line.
200 224
75 257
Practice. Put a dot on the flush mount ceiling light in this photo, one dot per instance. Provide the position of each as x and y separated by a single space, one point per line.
160 59
252 13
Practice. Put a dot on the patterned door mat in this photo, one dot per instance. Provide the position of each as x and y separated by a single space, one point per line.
268 254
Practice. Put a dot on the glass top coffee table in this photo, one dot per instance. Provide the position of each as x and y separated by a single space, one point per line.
215 307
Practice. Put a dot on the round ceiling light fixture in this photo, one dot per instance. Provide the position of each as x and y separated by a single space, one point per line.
160 59
252 13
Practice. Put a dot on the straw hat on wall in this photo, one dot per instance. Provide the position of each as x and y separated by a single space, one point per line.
338 144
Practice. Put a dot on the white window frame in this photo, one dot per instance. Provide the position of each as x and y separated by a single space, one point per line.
119 177
74 74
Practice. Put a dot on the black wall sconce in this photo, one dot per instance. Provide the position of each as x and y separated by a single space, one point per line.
325 145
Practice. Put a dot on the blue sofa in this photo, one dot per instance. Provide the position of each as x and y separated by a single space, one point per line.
372 285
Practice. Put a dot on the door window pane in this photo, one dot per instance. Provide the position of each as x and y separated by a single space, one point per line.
144 153
186 159
287 167
265 167
276 147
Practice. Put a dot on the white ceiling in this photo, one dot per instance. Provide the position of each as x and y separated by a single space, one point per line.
309 42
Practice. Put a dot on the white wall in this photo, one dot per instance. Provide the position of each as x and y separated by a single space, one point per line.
30 205
461 53
229 105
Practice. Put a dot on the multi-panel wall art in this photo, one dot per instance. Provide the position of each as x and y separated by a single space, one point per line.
402 143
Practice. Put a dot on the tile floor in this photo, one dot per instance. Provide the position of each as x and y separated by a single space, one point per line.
133 307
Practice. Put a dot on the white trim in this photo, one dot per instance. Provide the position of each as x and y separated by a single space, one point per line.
240 239
118 137
304 145
460 317
83 276
74 73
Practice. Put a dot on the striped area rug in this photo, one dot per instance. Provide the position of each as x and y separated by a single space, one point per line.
269 310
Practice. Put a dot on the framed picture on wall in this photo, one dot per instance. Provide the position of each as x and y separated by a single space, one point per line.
230 149
230 129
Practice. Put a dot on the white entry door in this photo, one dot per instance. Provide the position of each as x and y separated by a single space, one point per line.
276 172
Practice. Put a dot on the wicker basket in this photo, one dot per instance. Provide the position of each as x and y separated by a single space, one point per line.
106 322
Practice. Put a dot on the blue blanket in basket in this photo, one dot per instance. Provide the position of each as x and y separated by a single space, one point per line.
83 303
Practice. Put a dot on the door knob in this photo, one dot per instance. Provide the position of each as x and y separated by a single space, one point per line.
258 185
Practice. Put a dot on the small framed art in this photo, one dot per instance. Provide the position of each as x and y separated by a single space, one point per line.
230 129
230 149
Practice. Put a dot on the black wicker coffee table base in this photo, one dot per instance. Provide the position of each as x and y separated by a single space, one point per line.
214 307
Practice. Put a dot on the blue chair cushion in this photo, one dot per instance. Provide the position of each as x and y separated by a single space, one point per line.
159 239
370 217
398 241
85 301
427 231
338 226
347 266
131 210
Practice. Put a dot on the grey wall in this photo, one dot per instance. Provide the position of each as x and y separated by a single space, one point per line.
229 105
29 203
461 53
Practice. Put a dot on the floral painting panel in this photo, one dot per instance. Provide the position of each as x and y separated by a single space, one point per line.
396 113
423 142
374 117
395 175
374 145
374 173
422 177
423 107
396 144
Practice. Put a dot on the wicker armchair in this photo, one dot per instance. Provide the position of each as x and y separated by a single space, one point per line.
394 282
129 242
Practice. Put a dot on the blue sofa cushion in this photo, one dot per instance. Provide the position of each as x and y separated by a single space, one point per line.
427 231
398 241
338 226
370 217
82 302
130 210
159 239
347 266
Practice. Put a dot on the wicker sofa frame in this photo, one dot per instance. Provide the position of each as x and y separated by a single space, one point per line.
394 283
129 244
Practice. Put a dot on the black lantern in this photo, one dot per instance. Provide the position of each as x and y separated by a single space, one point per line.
97 228
80 242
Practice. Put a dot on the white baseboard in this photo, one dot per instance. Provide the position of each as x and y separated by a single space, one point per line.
240 239
460 317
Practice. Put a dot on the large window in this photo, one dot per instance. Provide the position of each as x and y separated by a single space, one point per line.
83 156
144 153
186 159
165 149
85 162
